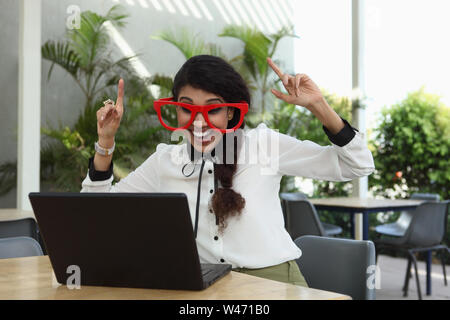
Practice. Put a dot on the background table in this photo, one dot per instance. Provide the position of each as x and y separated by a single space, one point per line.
360 208
33 278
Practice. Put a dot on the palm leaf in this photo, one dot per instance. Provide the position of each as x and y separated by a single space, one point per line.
215 50
256 48
111 69
90 39
164 82
286 31
116 16
60 53
186 42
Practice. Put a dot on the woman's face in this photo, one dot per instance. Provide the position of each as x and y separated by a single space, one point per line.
199 134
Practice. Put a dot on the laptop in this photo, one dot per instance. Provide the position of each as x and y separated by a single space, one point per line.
134 240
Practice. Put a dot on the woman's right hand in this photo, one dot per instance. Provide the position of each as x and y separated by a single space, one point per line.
109 117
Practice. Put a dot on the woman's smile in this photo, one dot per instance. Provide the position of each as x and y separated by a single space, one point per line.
202 137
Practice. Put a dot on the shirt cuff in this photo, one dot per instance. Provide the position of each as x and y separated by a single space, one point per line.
95 175
344 136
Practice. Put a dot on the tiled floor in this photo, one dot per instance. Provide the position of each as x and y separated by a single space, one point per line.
393 271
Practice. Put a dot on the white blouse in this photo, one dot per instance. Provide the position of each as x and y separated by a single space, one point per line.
257 238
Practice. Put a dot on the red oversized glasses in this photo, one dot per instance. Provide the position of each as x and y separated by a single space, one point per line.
170 113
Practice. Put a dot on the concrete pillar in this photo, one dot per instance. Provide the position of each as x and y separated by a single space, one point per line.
29 108
360 186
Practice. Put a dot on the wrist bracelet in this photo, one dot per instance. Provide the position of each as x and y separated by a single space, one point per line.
103 151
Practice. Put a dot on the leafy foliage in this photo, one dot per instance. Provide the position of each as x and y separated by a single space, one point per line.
257 47
188 43
412 148
85 54
65 151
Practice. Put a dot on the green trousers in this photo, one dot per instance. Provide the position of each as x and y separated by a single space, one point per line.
286 272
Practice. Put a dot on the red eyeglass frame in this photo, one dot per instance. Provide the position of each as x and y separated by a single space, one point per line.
242 106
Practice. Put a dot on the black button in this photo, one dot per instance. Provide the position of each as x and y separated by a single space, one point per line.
221 260
209 171
216 238
210 211
211 191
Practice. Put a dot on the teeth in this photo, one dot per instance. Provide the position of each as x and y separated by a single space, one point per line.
202 134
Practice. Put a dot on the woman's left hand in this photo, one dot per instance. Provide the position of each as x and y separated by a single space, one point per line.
302 90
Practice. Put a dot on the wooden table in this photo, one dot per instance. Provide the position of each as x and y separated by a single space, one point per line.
15 214
33 278
360 208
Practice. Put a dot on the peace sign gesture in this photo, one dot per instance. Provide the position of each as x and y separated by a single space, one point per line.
302 90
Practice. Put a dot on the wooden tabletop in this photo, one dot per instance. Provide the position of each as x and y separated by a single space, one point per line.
365 203
15 214
33 278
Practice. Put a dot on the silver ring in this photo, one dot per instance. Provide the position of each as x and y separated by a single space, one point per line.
109 101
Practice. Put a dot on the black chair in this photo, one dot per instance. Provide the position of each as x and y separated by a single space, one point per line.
301 217
425 232
19 228
16 247
340 265
398 228
26 227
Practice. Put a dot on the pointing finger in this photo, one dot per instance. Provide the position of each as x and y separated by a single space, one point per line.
120 90
275 68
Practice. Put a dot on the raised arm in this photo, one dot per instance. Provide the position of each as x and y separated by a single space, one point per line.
100 174
347 158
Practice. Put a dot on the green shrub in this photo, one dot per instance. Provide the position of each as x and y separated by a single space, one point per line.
412 148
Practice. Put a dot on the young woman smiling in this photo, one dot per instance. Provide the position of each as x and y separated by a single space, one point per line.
235 207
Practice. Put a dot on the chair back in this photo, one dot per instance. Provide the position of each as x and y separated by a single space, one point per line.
17 247
428 224
340 265
293 196
284 196
426 196
301 217
405 217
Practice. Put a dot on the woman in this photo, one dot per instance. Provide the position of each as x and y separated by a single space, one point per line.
234 206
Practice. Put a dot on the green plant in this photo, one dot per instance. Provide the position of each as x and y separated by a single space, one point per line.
71 148
253 60
66 150
85 54
412 146
188 43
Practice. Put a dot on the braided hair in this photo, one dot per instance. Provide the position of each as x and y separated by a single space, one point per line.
213 74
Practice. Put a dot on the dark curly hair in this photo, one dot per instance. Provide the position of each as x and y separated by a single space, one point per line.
215 75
